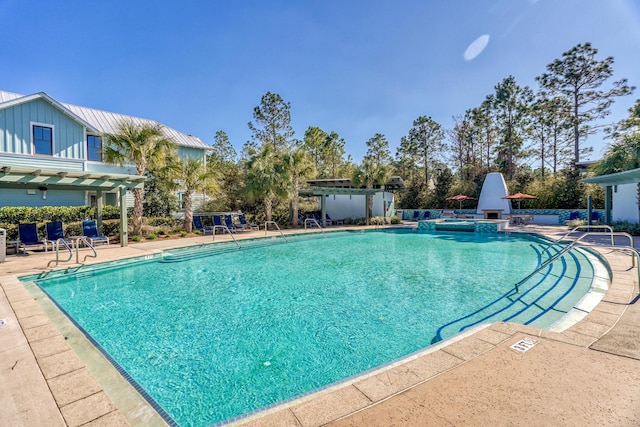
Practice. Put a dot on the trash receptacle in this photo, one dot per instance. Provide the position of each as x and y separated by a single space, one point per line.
3 244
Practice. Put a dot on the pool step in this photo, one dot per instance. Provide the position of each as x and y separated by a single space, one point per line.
556 288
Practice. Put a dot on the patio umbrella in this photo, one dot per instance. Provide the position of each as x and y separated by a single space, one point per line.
520 197
461 198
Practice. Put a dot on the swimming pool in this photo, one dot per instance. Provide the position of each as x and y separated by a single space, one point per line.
214 337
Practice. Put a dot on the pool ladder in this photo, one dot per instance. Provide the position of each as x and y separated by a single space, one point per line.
75 247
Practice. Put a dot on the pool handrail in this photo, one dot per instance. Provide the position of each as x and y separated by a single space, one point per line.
266 224
56 245
85 241
634 252
577 228
226 230
312 221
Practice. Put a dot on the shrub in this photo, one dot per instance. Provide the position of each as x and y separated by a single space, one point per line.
183 234
152 236
136 238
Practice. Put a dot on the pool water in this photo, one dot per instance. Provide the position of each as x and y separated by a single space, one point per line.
215 337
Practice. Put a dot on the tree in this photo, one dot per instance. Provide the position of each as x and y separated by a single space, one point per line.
222 150
549 129
266 178
333 157
427 137
509 106
578 77
191 176
378 150
369 173
314 142
273 122
297 164
146 146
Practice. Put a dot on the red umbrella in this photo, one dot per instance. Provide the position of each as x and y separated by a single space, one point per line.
520 197
461 198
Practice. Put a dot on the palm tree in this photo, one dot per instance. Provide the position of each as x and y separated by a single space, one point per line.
368 174
298 166
146 146
190 175
266 178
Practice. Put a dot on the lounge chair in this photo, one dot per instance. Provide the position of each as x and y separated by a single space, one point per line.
574 215
244 224
300 219
335 221
595 217
197 225
90 231
319 220
448 213
426 215
228 221
217 224
55 232
28 236
416 215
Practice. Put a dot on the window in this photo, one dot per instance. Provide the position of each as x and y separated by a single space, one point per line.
42 140
94 148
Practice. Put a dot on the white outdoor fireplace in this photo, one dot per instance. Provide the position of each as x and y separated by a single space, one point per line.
492 213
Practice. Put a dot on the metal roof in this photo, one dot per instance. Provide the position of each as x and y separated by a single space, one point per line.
101 121
627 177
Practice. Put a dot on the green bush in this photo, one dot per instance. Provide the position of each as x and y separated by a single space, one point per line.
152 236
136 238
626 227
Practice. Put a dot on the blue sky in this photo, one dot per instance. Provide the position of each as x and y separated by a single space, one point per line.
354 67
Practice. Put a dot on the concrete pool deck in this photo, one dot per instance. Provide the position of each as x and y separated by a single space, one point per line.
588 374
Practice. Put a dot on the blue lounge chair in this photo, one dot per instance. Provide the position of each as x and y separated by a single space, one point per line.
217 222
416 215
228 221
300 219
335 221
28 236
595 217
244 224
197 225
574 215
90 231
55 233
426 215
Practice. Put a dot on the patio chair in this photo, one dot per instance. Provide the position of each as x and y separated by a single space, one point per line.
55 233
90 231
426 215
217 222
244 224
448 213
28 236
416 215
595 217
335 221
228 221
197 225
574 215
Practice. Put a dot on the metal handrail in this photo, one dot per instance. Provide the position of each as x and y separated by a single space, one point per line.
312 221
86 242
574 243
577 228
634 254
225 229
278 227
57 247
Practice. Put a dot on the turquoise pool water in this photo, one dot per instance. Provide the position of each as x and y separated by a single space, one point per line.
215 337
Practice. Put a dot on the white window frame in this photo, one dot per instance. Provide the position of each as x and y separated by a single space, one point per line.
53 138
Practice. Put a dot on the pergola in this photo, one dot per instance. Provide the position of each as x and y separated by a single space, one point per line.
326 187
33 178
608 181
